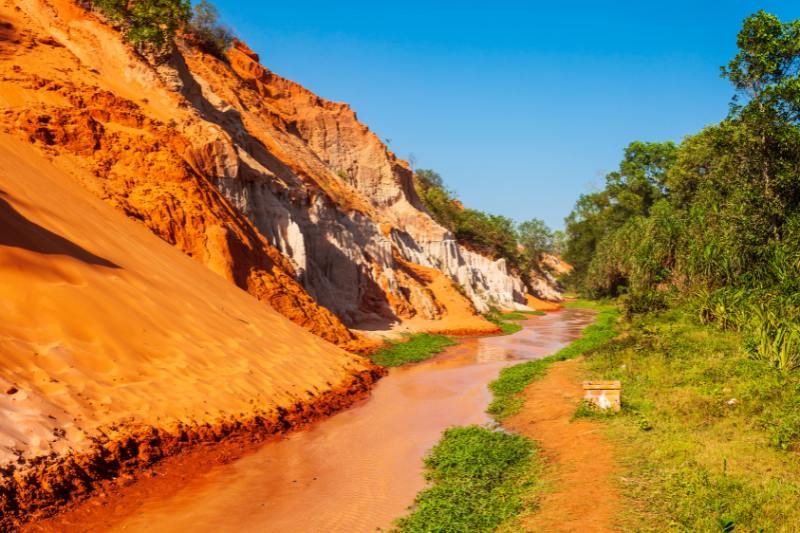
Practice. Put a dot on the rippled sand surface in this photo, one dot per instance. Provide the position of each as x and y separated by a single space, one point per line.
360 469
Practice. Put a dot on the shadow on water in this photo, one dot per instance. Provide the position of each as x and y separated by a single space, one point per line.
19 232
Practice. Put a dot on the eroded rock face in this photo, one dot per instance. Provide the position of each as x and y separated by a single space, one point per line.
143 155
332 197
282 192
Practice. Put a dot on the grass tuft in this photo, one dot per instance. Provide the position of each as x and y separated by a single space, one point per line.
479 478
412 350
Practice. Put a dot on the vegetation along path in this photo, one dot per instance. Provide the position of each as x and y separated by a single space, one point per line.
549 473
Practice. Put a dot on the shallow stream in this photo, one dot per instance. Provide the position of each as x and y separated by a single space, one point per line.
360 469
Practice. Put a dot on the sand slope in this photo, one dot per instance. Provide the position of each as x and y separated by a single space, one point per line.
73 88
103 323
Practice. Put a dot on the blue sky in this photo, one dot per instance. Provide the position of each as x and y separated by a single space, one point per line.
521 106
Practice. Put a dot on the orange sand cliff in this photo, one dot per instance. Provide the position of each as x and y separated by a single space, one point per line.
235 166
104 329
158 226
122 132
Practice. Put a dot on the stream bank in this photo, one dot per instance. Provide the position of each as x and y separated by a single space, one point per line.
356 471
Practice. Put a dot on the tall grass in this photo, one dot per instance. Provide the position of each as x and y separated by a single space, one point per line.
768 320
713 454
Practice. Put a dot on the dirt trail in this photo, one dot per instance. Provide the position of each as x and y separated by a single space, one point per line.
580 458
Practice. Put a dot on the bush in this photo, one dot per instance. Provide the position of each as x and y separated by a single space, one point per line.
148 24
211 35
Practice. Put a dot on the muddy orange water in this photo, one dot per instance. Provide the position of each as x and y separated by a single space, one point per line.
360 469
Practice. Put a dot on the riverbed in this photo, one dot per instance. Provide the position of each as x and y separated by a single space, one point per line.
360 469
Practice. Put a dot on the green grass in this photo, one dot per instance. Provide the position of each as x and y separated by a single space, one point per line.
505 320
707 436
587 409
513 380
479 481
520 315
506 328
580 303
412 350
501 320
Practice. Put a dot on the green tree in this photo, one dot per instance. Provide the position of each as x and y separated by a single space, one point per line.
632 190
765 72
154 22
536 237
559 242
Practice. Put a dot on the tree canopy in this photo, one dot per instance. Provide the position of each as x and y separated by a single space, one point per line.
716 215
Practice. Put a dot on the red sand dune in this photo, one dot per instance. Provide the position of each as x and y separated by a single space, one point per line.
104 327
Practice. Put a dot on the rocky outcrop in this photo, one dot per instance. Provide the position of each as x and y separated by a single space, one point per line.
333 198
544 281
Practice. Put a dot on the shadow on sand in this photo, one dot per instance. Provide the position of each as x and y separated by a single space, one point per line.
19 232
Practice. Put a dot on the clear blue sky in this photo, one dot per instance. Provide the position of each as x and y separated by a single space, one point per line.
521 106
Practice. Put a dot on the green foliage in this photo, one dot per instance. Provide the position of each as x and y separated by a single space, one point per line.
492 235
478 481
535 236
212 35
114 10
148 24
500 320
559 242
520 315
513 380
766 67
717 423
489 234
438 200
630 191
414 349
769 320
715 219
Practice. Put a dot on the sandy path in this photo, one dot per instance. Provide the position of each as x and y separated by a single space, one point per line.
580 458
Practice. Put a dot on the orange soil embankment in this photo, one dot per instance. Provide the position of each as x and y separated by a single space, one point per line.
581 465
457 314
72 88
541 305
119 350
